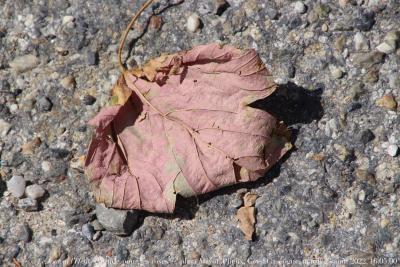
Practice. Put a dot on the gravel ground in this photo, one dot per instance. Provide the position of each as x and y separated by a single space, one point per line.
333 199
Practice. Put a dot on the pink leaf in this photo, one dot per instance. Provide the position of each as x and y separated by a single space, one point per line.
183 125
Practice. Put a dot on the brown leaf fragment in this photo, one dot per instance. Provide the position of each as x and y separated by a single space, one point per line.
155 22
247 220
29 147
387 102
120 93
249 199
318 156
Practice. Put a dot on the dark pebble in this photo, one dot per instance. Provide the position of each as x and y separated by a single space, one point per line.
382 238
14 252
88 231
221 6
88 100
4 111
365 21
286 189
25 233
28 204
92 58
59 153
272 14
82 128
353 106
17 92
44 104
366 136
4 85
122 253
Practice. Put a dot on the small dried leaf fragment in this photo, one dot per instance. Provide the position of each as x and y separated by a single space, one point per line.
247 220
387 102
247 215
249 199
29 147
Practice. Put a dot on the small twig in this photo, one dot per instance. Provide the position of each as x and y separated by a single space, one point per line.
128 28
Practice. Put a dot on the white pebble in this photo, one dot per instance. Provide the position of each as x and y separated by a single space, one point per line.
386 47
299 7
16 186
68 19
193 23
350 205
13 108
4 128
46 166
336 72
392 150
24 63
34 191
360 42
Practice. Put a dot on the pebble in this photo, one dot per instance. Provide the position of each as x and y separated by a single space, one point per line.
392 150
299 7
24 63
342 152
343 3
97 236
34 191
360 42
372 76
119 222
4 85
366 136
390 42
4 128
68 82
356 90
394 80
236 202
367 60
336 72
324 27
46 166
16 186
365 21
88 231
28 204
44 104
25 233
350 205
88 100
68 19
386 47
193 23
220 6
92 58
55 253
387 102
97 225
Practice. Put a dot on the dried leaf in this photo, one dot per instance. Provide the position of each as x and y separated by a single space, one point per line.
182 124
250 199
247 220
387 102
29 147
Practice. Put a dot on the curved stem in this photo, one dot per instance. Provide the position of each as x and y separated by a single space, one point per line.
128 28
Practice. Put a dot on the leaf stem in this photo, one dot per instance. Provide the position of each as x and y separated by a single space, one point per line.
128 28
